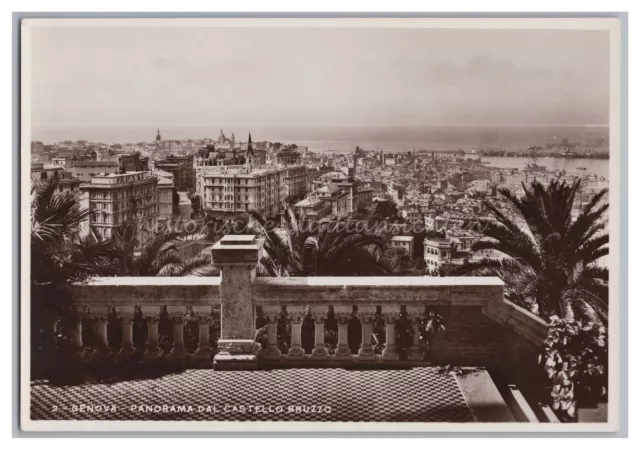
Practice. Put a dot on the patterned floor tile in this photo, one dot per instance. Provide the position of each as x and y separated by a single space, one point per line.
325 395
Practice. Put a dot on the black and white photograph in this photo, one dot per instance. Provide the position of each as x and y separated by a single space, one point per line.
320 224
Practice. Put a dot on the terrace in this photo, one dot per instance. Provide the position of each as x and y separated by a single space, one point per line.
467 371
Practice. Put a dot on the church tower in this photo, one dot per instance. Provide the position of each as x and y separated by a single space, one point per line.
158 137
249 155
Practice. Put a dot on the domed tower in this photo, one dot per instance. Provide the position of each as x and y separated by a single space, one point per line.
158 137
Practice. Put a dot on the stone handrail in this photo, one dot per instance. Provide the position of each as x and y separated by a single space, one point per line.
415 296
103 298
480 326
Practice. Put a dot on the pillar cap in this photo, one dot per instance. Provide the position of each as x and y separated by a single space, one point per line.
236 250
237 239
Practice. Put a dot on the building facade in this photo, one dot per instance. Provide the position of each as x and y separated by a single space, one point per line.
116 198
183 170
403 242
437 251
312 209
229 192
84 170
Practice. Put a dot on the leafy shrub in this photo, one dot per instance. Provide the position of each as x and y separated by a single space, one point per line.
575 359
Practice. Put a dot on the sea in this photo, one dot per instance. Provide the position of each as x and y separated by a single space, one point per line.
599 167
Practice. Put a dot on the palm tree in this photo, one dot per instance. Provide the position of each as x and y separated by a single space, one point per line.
552 266
334 253
276 259
159 257
200 265
328 251
59 257
59 253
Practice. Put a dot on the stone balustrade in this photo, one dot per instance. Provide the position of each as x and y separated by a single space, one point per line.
119 302
478 327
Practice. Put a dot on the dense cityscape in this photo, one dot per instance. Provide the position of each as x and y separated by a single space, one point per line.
166 182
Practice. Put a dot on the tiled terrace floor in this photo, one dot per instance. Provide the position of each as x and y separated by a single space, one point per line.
417 395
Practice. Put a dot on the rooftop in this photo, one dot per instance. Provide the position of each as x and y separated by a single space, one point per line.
95 164
308 202
402 238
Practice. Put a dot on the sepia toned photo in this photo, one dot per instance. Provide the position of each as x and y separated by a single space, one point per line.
320 224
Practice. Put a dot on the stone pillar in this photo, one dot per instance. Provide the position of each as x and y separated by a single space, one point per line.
343 313
367 315
319 315
236 257
297 315
272 313
153 351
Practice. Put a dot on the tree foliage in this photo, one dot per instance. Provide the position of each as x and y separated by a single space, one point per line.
551 266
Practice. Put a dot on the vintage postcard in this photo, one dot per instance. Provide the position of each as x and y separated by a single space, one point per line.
320 224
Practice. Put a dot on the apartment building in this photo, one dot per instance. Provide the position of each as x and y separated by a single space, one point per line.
296 181
84 170
115 198
228 192
41 173
182 168
165 196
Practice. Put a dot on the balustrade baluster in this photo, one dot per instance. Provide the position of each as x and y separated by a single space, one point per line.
367 315
272 313
343 313
127 350
178 351
297 315
390 314
415 314
102 350
390 351
76 336
319 314
153 351
204 350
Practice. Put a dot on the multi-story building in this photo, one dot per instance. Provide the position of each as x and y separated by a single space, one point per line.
116 198
183 170
228 192
437 251
165 195
296 181
41 173
134 162
337 198
84 170
403 242
346 183
66 181
363 196
288 156
313 209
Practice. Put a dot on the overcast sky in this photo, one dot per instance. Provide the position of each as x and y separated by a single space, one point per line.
262 77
